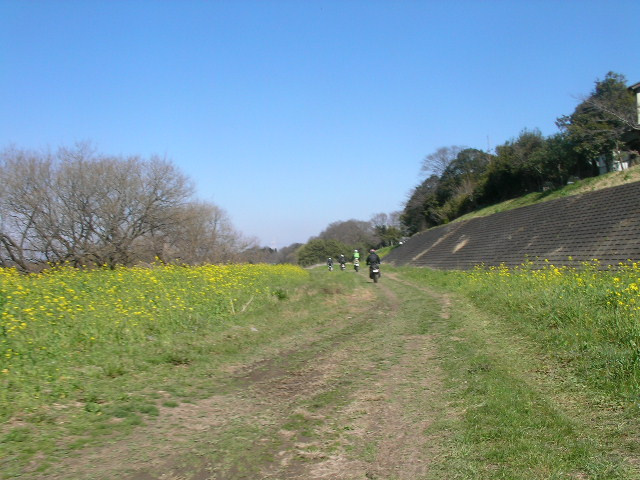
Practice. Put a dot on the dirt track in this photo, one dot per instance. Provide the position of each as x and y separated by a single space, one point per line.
353 399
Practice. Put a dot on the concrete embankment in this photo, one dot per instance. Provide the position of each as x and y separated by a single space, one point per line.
602 225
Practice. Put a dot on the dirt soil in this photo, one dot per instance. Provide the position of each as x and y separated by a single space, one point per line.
353 401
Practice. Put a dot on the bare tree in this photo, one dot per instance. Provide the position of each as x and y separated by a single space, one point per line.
75 206
437 162
203 233
395 219
387 228
626 114
111 204
379 219
26 184
288 254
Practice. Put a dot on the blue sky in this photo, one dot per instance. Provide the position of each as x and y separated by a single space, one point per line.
291 115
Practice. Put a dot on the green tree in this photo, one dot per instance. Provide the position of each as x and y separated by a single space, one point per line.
598 124
388 235
462 175
317 250
421 209
387 230
349 232
557 160
514 170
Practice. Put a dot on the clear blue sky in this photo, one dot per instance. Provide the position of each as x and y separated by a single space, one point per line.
293 114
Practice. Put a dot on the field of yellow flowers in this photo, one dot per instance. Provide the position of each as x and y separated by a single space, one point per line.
58 325
587 318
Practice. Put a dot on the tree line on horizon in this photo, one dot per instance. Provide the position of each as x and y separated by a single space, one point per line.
343 237
78 207
602 129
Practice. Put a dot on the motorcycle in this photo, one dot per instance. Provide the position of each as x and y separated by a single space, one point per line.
342 266
374 272
331 268
356 264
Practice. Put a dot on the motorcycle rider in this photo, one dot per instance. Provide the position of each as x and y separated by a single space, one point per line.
356 255
330 263
342 260
373 258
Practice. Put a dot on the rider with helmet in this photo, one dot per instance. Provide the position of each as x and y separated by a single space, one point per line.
373 258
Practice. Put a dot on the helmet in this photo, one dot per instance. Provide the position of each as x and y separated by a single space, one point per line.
372 250
356 250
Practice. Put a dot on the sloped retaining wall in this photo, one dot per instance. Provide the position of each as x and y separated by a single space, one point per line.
603 225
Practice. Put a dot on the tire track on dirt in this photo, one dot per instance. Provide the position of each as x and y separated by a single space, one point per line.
266 392
444 299
388 418
382 382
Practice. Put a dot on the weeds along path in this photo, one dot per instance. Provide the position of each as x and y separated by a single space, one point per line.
356 393
346 379
520 413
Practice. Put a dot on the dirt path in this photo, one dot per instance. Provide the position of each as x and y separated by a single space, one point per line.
355 400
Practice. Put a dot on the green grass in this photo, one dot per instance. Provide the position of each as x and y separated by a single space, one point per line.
582 317
540 368
543 366
66 329
580 186
87 364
